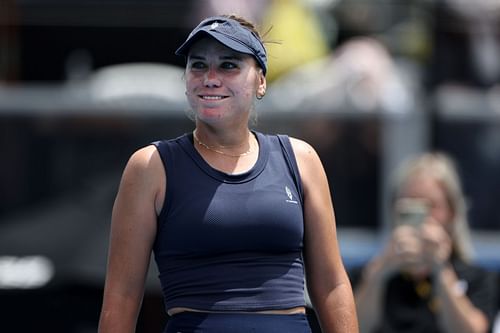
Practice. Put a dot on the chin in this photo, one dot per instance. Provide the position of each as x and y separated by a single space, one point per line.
208 114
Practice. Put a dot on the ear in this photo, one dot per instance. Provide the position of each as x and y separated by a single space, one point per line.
262 84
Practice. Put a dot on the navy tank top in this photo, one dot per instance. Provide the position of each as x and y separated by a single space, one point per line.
231 242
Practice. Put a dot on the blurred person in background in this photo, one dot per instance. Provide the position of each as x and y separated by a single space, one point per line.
467 44
234 217
424 279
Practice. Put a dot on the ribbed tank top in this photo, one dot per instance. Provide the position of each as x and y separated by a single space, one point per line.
230 242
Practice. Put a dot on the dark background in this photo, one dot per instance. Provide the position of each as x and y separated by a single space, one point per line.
59 171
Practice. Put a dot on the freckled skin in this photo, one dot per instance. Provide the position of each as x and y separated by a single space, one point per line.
215 70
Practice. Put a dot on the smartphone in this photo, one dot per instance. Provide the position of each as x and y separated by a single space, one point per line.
409 211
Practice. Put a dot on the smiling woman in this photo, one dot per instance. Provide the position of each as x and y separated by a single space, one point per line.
219 80
223 67
234 217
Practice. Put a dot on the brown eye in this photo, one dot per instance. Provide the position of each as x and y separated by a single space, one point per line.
198 65
228 65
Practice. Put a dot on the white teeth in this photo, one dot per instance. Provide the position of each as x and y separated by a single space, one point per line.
212 98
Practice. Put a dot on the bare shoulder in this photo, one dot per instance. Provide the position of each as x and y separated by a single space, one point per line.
144 158
144 161
144 178
310 166
305 154
144 167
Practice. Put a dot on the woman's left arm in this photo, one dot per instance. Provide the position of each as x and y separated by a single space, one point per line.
328 284
457 312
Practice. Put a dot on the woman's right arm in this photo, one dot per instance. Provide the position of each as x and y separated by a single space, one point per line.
369 295
133 230
401 249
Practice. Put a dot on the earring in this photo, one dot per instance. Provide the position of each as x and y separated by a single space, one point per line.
259 97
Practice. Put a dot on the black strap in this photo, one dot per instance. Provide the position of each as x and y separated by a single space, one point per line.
287 149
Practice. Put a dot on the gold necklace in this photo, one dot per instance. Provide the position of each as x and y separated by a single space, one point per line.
249 151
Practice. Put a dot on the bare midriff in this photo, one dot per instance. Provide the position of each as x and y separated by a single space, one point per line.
299 309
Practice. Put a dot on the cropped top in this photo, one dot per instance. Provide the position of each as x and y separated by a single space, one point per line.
230 242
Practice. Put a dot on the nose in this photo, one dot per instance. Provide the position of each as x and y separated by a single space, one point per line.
211 78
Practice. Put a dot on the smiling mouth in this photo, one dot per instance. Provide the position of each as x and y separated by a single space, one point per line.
212 98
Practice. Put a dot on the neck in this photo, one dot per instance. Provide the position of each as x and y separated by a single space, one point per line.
226 150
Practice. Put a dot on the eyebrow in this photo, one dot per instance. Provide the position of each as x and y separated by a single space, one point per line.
236 57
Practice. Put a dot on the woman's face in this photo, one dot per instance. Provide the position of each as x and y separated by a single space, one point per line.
221 84
428 189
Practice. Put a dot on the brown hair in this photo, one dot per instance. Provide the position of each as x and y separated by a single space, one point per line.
251 26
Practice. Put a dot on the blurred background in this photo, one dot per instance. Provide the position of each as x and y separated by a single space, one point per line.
84 83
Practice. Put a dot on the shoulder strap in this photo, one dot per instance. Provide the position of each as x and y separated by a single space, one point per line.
287 149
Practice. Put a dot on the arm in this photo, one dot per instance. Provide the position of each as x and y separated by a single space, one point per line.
369 295
328 284
457 313
133 229
401 250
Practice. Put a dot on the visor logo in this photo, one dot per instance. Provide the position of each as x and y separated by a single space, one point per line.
214 26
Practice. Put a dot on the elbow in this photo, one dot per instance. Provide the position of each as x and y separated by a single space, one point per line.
324 293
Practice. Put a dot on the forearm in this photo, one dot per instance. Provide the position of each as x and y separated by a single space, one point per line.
457 313
113 321
336 311
369 297
118 314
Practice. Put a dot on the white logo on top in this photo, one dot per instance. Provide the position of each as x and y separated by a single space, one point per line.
290 196
214 26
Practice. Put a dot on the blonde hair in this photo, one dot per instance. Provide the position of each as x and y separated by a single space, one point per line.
442 168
